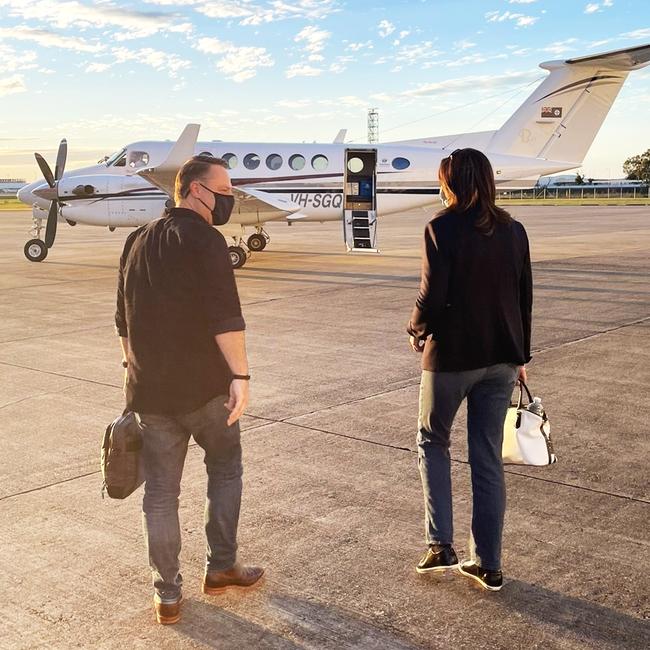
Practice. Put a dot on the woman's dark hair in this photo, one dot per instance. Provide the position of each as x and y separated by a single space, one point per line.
194 169
467 182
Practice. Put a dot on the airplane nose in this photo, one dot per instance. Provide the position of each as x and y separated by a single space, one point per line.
25 195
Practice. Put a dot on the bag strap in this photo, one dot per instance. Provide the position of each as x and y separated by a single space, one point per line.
522 388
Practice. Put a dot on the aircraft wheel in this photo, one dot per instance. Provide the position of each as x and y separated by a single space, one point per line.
35 250
256 242
237 256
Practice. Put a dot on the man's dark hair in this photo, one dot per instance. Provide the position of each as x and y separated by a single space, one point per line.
194 169
467 181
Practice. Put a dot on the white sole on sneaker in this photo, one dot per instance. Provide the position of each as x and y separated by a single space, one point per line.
477 579
435 569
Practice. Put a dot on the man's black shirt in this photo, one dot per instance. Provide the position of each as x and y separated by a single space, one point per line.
176 291
476 294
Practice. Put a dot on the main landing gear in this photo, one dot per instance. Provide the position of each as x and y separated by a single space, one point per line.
35 249
240 251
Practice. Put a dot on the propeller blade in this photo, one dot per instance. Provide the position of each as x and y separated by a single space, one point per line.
61 156
50 228
45 169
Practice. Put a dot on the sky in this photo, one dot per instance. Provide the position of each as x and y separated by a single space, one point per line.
103 73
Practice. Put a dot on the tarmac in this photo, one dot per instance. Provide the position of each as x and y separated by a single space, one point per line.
332 499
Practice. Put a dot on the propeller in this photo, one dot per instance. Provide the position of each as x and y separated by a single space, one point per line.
53 180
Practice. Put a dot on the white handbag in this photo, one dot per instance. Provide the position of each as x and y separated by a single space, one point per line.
526 435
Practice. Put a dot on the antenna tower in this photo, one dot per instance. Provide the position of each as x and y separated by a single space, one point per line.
373 126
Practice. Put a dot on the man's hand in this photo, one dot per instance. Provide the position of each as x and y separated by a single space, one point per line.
417 345
238 400
522 375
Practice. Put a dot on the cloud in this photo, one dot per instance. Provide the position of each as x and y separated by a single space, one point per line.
47 38
386 28
638 33
475 82
72 13
256 13
521 19
415 53
313 37
464 45
302 70
521 2
593 7
12 85
238 63
560 47
156 59
355 47
98 67
12 60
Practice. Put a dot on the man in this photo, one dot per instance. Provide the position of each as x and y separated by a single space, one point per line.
182 334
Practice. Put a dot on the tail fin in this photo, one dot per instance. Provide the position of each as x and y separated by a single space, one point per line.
561 118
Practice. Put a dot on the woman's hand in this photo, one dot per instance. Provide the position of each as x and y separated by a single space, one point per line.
522 376
417 345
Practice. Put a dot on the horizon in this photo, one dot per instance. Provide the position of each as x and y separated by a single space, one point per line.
295 71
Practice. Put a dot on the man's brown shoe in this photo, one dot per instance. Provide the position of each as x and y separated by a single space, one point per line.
244 577
167 613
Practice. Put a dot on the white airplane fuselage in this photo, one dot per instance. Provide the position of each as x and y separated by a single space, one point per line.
115 196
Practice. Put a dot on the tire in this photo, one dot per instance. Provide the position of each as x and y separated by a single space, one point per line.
256 242
35 250
237 256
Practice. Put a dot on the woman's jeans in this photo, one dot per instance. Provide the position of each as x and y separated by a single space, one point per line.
165 441
488 392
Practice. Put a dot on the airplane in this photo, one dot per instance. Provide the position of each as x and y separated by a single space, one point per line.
354 183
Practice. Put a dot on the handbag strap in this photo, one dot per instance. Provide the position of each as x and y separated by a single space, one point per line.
522 388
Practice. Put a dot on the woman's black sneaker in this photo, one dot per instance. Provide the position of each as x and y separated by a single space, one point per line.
439 557
490 580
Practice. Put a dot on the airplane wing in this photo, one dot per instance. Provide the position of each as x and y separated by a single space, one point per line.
253 201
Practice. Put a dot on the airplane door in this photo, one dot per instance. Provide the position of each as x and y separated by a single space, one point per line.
360 200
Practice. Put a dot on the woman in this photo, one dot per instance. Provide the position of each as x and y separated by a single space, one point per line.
471 323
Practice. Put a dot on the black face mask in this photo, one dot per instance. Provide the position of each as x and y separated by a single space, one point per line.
223 206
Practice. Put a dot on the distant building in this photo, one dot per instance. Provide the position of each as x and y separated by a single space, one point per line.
568 181
11 185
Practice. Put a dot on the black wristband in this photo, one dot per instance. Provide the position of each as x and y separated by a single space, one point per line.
244 377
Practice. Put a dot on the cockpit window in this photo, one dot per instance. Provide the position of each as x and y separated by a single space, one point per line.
111 160
138 159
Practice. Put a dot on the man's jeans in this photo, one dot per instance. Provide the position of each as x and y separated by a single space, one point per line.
165 441
488 391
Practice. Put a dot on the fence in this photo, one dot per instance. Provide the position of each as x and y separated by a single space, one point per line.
579 192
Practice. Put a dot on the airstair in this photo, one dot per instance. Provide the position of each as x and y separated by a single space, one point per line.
360 201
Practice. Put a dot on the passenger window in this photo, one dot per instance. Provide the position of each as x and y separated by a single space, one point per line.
401 163
274 161
297 162
319 162
251 161
230 159
137 159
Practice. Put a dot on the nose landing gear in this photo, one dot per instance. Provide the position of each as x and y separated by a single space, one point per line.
35 249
